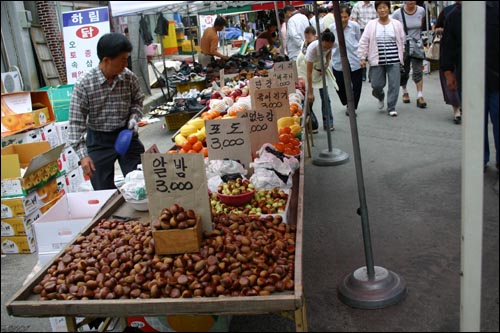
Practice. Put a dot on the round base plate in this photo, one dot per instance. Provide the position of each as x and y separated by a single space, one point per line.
387 288
335 157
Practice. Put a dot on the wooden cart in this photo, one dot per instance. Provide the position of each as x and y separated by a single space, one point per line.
290 304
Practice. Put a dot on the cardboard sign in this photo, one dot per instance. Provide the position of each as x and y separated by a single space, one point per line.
179 179
229 138
275 99
286 74
262 125
275 80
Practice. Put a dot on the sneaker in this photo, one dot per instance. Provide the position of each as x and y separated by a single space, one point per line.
380 104
393 113
406 98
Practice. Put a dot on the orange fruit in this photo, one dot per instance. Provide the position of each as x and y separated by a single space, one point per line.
186 146
294 141
192 139
285 138
204 150
280 146
197 146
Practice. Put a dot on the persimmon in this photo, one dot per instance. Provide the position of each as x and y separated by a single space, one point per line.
204 150
280 146
197 146
192 139
295 141
186 146
285 138
285 130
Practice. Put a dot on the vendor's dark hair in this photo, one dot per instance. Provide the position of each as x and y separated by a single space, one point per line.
112 44
310 30
289 8
220 22
271 23
327 36
387 3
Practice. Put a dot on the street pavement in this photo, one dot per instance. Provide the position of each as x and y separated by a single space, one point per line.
412 175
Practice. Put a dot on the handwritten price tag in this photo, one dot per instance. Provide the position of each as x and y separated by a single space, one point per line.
263 127
177 179
275 99
229 138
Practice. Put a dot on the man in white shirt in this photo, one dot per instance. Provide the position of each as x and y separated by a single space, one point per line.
362 13
296 25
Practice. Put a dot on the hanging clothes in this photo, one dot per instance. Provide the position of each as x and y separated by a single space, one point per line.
161 25
144 25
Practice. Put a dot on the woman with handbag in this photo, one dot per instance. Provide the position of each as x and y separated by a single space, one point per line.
382 45
413 19
451 97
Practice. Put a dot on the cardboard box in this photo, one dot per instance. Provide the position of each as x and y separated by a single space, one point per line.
39 160
25 110
74 179
62 129
69 158
19 244
175 241
49 134
58 324
25 205
64 221
33 135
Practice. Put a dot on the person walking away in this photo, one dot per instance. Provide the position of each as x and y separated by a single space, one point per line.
310 36
352 34
451 62
210 42
106 100
450 97
283 34
415 22
329 18
296 24
266 38
315 75
382 45
362 13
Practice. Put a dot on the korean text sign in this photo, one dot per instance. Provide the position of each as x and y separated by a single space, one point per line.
177 179
82 29
229 138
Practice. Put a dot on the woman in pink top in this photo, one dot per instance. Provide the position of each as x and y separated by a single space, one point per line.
382 44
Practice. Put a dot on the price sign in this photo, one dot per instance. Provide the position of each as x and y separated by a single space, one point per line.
179 179
286 74
275 99
229 138
262 125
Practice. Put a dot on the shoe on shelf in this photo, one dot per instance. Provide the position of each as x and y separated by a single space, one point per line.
406 98
393 113
421 103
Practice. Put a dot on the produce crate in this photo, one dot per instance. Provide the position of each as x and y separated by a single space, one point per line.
60 97
175 121
186 86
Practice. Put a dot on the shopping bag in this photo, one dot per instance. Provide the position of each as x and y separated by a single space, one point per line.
432 52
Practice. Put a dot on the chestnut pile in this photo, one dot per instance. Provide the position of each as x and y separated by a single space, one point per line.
236 187
175 217
242 256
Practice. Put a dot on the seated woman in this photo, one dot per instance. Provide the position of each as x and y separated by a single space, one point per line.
267 37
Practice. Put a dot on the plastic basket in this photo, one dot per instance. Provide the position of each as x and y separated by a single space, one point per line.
60 97
176 120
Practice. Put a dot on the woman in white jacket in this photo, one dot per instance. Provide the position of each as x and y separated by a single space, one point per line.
382 43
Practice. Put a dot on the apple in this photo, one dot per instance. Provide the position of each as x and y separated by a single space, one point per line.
216 95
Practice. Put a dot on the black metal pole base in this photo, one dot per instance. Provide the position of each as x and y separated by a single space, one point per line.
358 291
334 157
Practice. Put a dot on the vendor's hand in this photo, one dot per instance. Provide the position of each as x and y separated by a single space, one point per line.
363 63
133 123
88 166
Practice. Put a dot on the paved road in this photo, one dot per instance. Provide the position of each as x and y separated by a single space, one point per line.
412 173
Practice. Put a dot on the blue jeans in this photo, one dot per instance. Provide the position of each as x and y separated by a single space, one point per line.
491 109
326 108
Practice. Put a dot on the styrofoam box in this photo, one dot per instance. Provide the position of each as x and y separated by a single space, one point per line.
64 221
